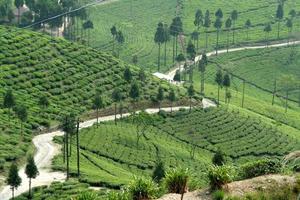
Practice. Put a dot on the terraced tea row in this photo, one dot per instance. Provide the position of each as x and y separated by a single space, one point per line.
69 75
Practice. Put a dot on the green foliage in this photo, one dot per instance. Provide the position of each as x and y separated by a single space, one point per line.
142 189
176 180
218 158
31 169
87 196
220 175
158 172
218 195
260 167
13 178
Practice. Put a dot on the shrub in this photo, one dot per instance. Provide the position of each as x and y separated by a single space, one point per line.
260 167
2 162
158 172
218 195
176 180
220 175
142 189
219 158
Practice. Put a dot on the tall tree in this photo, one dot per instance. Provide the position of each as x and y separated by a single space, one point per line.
202 67
19 4
13 179
192 53
267 30
134 93
198 22
31 171
22 114
98 104
120 39
117 98
175 30
248 26
159 39
172 98
44 102
228 25
166 40
218 26
191 93
219 81
293 13
234 17
226 84
207 23
289 25
127 74
9 102
160 96
88 25
113 31
219 13
279 17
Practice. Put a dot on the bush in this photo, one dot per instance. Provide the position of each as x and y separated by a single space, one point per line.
260 167
220 175
142 189
176 180
158 172
117 196
218 195
219 158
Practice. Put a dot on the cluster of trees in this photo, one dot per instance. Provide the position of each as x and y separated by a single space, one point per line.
223 81
117 37
14 180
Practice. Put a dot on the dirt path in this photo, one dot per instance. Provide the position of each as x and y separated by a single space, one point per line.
46 149
172 73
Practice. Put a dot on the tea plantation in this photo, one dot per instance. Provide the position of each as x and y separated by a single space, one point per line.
132 18
67 74
260 68
110 156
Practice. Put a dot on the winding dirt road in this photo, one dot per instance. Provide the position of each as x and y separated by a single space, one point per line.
46 149
172 72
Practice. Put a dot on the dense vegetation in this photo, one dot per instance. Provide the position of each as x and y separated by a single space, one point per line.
36 67
110 154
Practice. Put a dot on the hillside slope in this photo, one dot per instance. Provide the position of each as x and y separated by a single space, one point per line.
69 75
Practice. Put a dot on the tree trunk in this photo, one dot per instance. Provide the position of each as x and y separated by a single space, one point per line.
202 83
218 95
78 153
190 104
227 40
13 192
29 193
18 15
97 117
274 92
217 46
182 196
286 100
226 94
67 153
278 27
233 33
165 59
247 32
64 148
243 98
171 107
115 113
174 49
158 59
206 40
176 43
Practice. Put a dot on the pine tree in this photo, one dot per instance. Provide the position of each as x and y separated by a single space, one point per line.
31 171
98 104
172 98
191 93
160 96
9 101
219 81
13 179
